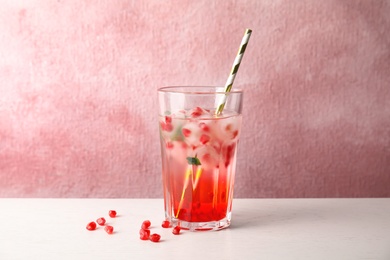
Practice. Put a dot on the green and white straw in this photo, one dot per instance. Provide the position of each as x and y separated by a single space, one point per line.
233 73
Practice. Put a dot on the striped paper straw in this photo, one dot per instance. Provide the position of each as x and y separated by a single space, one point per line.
236 65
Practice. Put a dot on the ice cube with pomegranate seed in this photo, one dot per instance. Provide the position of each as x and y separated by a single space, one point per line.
207 126
191 133
198 112
169 126
208 156
227 128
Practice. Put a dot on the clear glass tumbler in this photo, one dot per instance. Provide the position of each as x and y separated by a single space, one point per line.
199 150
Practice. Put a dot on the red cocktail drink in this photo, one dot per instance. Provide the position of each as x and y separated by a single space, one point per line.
199 151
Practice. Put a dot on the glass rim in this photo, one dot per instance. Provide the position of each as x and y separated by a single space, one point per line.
197 90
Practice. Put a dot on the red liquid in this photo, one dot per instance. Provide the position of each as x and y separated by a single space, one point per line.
209 201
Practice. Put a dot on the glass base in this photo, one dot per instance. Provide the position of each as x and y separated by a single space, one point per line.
202 226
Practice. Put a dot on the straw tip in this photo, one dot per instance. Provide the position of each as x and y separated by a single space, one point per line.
248 30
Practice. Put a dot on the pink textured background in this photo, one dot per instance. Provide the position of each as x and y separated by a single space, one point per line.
79 79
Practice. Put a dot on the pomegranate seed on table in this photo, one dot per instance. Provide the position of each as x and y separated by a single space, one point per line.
165 224
146 224
101 221
144 234
109 229
112 213
176 230
154 237
91 226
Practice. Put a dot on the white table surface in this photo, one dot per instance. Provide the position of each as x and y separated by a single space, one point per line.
261 229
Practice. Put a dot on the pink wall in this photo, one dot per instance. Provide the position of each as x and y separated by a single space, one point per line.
79 79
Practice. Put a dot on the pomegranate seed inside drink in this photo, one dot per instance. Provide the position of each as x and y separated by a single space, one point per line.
186 132
168 119
204 139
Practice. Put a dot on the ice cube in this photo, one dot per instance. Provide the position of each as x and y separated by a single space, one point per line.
227 128
208 156
191 132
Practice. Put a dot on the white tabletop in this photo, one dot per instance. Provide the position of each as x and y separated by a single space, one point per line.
261 229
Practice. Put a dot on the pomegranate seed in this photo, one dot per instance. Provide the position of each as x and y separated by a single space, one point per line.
204 127
145 224
112 213
101 221
91 226
204 139
228 127
144 234
168 127
165 224
229 153
154 237
169 145
168 119
176 230
197 112
142 231
109 229
235 133
186 132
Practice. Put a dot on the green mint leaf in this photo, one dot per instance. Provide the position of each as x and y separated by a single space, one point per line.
193 160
